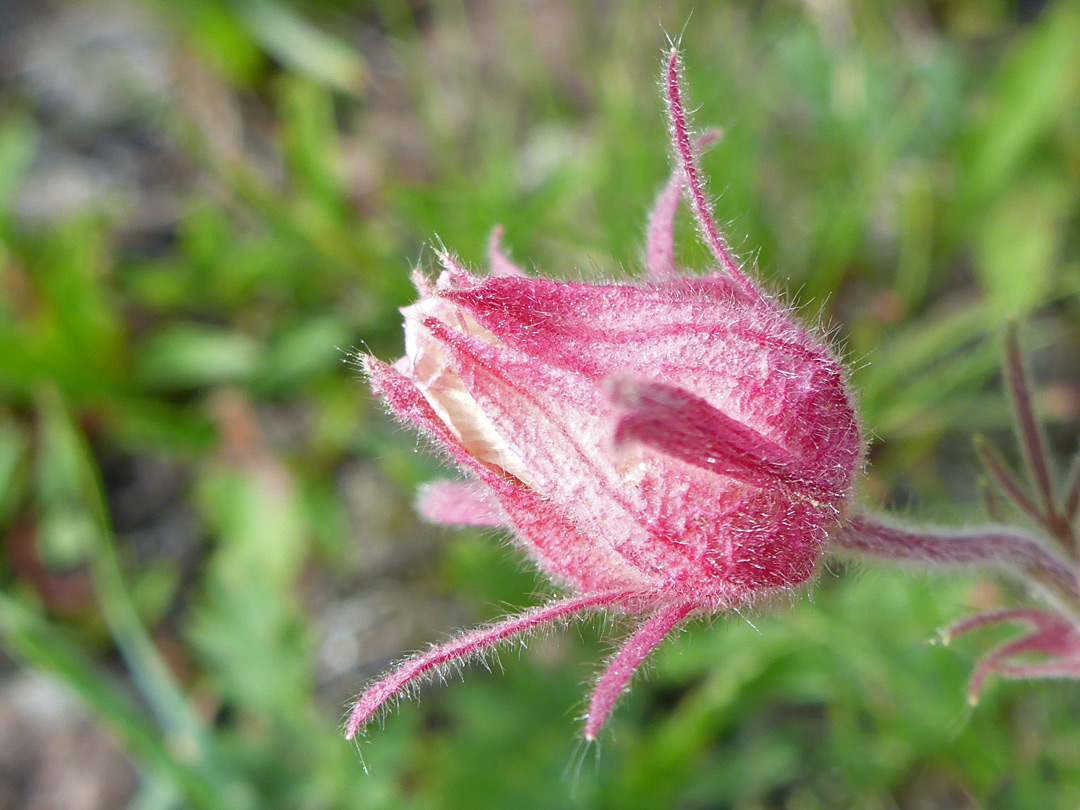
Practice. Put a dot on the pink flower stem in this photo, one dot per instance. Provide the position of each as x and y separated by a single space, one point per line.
1072 491
629 658
1004 548
465 646
1027 425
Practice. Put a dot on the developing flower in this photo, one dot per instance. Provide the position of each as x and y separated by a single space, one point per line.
665 449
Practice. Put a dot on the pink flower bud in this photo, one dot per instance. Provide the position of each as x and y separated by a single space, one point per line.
669 447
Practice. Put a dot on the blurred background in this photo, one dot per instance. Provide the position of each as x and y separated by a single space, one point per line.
208 543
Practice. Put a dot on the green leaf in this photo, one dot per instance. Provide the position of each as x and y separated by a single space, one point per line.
18 144
303 47
1037 83
68 528
1020 244
306 349
189 356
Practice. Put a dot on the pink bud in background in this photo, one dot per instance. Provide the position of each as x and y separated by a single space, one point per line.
668 448
1051 636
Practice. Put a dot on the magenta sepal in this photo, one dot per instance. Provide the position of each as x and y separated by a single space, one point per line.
695 190
498 262
686 427
660 234
467 646
556 542
615 678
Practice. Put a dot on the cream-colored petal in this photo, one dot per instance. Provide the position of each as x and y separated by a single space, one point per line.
426 362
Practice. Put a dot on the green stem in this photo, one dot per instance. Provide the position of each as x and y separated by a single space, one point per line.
185 736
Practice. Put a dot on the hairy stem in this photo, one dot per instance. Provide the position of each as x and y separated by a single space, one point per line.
1004 548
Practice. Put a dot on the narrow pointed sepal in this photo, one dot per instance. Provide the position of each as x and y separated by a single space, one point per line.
1051 635
613 681
498 262
660 235
695 188
467 646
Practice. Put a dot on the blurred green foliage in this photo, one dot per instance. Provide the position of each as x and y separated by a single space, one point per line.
909 170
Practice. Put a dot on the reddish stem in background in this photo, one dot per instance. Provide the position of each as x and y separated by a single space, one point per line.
1001 547
1027 425
1072 492
994 465
1050 635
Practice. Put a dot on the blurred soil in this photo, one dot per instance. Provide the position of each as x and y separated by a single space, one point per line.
96 77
